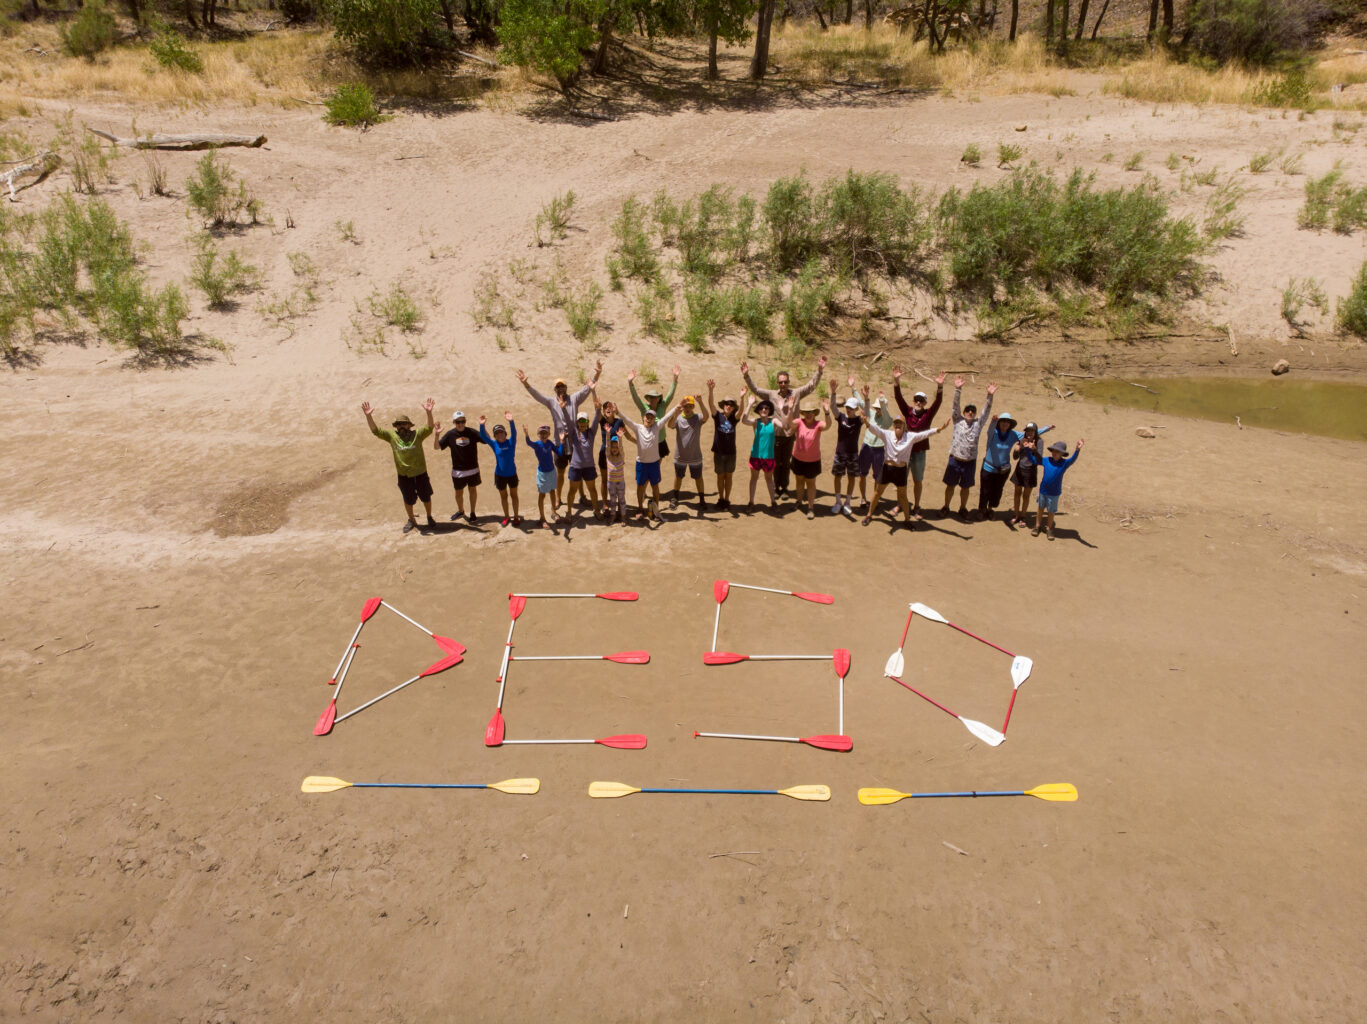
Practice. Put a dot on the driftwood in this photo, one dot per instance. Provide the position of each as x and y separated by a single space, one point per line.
197 141
471 56
40 167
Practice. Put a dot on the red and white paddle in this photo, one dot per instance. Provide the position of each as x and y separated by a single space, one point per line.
728 658
1021 667
720 588
493 732
626 742
840 660
984 732
367 611
896 662
814 598
444 642
621 657
934 616
629 595
841 743
324 724
329 718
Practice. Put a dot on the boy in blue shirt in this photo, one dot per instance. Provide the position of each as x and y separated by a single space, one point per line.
1051 483
505 463
546 451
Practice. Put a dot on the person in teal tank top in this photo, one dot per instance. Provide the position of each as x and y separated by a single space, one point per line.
761 417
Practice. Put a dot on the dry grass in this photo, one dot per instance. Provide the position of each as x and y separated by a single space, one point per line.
1157 79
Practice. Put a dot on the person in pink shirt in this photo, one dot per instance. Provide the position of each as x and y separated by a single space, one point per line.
807 454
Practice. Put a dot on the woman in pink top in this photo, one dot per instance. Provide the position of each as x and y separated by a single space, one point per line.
807 454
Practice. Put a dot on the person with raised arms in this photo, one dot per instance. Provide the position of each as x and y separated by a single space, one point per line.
646 436
784 400
655 401
807 453
849 430
1051 484
687 424
462 442
564 409
406 445
582 472
761 447
871 454
919 416
546 450
504 444
963 448
898 443
724 441
999 441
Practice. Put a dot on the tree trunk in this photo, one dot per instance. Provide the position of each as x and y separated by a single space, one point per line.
1153 18
600 58
1063 27
449 16
759 63
1167 18
1097 26
712 73
1082 19
820 18
1015 17
868 15
849 11
1049 22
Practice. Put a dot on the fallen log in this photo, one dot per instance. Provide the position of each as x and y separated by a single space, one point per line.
40 167
194 141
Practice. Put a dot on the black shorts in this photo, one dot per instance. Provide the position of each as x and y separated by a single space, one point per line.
504 482
414 488
1025 476
845 465
893 476
806 470
958 473
561 461
871 458
462 482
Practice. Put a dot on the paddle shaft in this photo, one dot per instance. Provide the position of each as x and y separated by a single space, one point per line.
923 696
788 657
341 676
503 669
511 742
969 793
1009 708
742 736
716 624
841 729
350 644
343 718
560 657
753 792
420 785
910 616
403 616
767 590
975 636
555 595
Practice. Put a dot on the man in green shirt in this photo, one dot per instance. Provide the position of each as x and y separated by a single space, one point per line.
406 444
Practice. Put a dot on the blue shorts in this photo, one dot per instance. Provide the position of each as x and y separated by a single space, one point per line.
578 474
647 473
959 474
1047 502
545 481
871 458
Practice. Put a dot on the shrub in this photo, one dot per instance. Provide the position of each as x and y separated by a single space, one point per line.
789 222
550 36
1295 296
1132 164
220 277
636 256
92 32
553 219
750 311
870 225
351 105
704 233
1255 32
1291 90
1260 162
396 308
387 33
708 310
1222 217
1352 308
581 310
810 302
169 50
972 155
212 194
1331 200
1008 154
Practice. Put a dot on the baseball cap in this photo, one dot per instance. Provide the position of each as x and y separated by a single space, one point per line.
920 394
851 403
560 382
457 415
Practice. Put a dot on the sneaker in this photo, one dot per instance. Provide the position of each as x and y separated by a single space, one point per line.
431 521
503 521
455 516
1051 533
1035 532
412 524
517 520
811 514
866 520
846 510
839 503
673 504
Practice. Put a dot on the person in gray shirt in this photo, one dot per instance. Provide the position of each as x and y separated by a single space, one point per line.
564 410
963 448
687 423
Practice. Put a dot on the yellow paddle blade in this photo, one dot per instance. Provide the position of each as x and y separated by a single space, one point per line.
525 786
807 792
1065 791
610 789
322 784
874 797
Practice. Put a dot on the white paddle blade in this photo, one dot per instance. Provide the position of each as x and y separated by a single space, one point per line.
986 733
608 790
928 613
1021 667
896 663
322 784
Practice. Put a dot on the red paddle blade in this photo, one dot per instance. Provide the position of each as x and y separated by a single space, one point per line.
629 657
448 645
516 605
841 661
326 719
722 658
841 743
493 732
720 589
816 598
441 666
632 742
626 595
371 607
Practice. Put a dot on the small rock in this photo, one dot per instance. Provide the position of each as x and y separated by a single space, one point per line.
1021 127
1145 432
1280 367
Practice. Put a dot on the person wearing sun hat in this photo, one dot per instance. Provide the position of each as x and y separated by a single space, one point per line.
998 443
806 462
784 398
724 422
762 446
406 445
687 423
872 452
919 416
1051 483
1029 454
655 401
564 410
583 473
646 436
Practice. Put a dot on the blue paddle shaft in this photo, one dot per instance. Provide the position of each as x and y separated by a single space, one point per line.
755 792
419 785
999 792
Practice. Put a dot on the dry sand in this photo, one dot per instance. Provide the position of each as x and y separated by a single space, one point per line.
186 552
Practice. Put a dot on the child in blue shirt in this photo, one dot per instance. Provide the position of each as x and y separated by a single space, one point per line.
1051 483
505 463
546 451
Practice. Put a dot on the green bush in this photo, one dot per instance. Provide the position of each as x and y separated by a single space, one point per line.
387 33
972 155
581 310
92 32
1332 201
553 220
869 225
635 254
213 196
789 222
550 36
1352 308
704 233
169 50
751 309
810 302
708 310
351 105
1254 32
220 277
396 308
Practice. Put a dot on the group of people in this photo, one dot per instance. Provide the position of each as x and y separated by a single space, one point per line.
873 441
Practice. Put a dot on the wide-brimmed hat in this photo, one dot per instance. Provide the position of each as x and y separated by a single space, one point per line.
1060 447
807 409
765 406
654 393
1007 417
402 420
729 401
